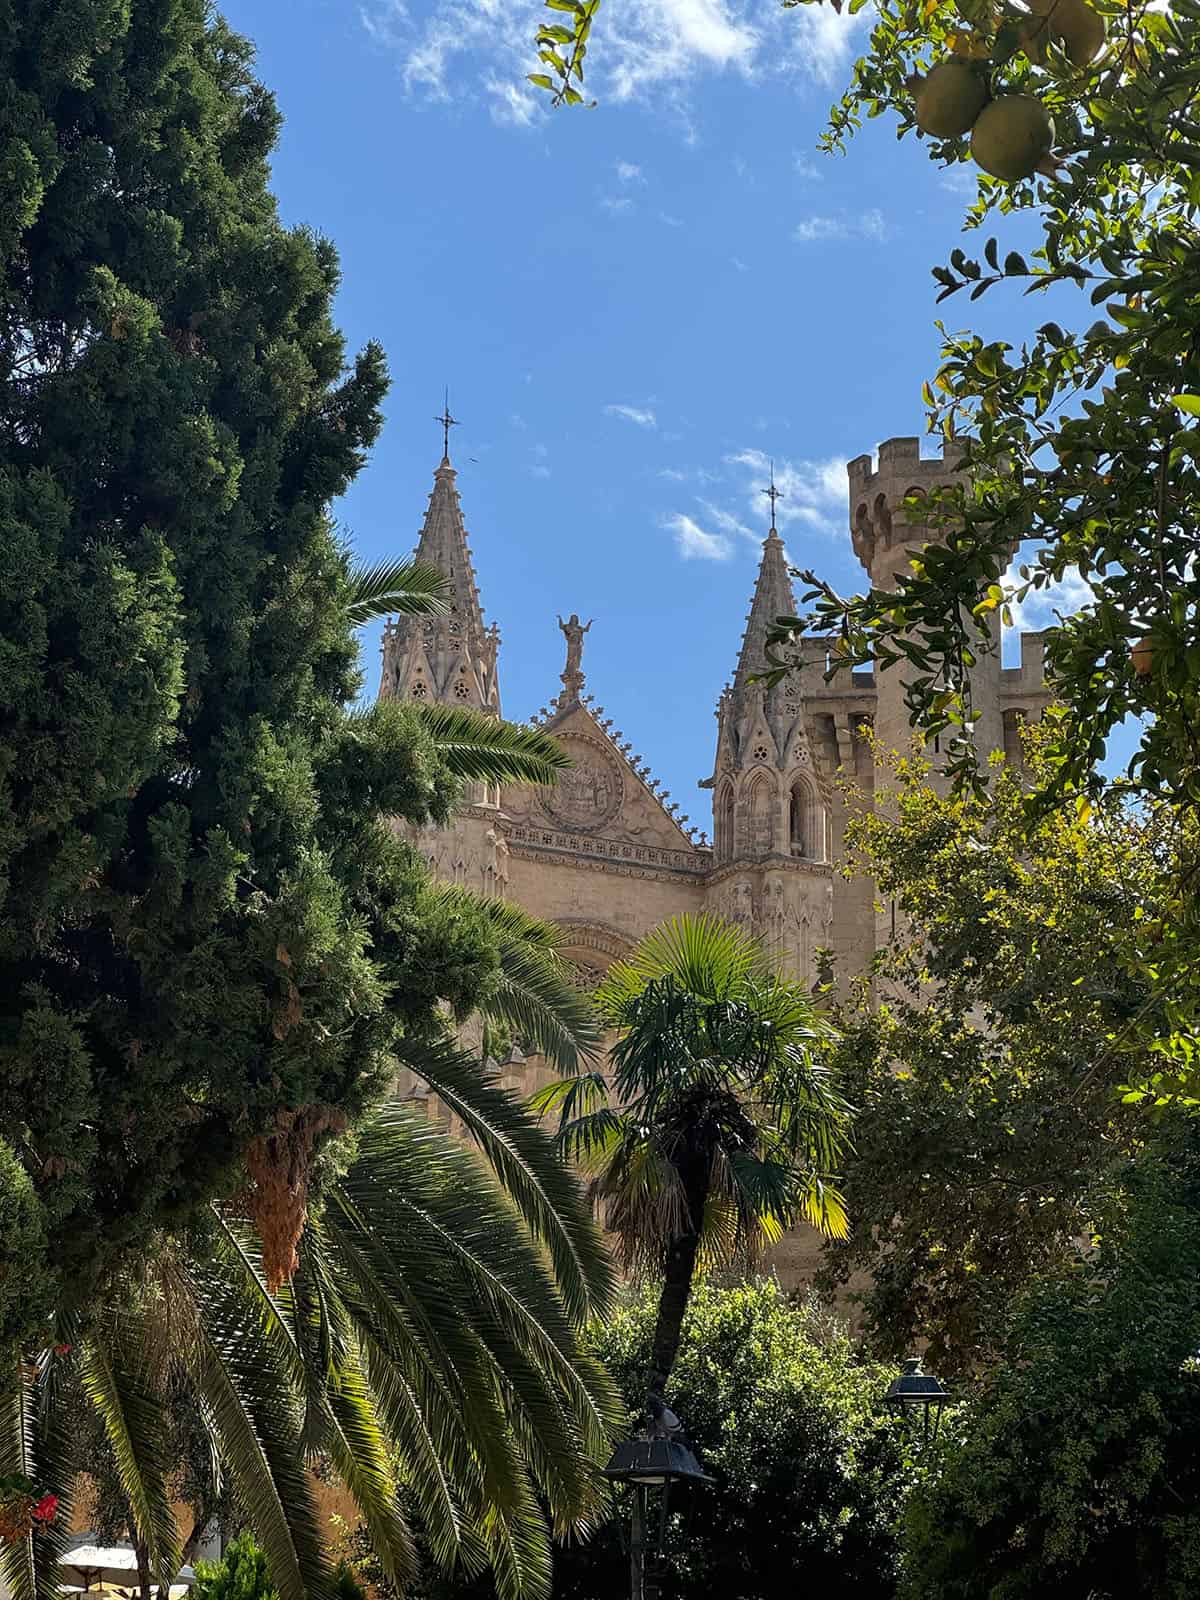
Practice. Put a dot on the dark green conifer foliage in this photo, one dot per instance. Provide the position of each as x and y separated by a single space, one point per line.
192 946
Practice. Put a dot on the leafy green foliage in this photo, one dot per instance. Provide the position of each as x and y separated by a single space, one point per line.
1074 1471
241 1574
786 1417
984 1052
721 1125
563 49
1083 438
206 929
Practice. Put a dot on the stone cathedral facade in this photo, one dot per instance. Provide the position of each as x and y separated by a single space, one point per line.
605 854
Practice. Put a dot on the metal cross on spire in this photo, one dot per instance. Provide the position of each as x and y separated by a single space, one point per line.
772 495
447 422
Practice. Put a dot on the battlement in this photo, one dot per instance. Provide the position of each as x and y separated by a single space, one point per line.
878 490
1030 677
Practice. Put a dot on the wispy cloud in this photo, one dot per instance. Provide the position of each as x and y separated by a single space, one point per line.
643 417
739 264
812 492
695 543
805 167
629 172
867 225
648 49
671 222
616 203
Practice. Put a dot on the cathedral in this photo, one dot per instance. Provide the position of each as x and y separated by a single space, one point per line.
605 855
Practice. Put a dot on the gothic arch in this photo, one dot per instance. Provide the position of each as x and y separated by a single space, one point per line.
806 820
723 814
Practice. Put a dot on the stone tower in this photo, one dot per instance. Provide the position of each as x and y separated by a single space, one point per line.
886 536
452 660
771 867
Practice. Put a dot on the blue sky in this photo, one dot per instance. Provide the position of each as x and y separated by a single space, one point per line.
633 306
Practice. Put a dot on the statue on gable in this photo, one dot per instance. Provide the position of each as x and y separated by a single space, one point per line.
573 631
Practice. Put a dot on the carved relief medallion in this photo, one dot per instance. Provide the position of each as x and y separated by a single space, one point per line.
589 793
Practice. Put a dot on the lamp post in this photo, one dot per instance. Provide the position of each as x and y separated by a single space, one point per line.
915 1390
655 1458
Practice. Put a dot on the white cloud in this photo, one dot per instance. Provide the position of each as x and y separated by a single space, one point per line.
616 203
1041 608
806 168
671 222
673 474
739 264
629 172
811 492
868 225
695 543
643 49
643 418
539 471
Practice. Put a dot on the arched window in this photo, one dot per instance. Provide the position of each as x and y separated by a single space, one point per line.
725 824
805 823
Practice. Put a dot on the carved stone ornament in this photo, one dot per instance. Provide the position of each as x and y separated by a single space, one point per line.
589 793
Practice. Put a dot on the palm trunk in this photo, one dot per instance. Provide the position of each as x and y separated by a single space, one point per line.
679 1271
143 1570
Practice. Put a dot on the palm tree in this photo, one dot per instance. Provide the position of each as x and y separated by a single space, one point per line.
721 1126
430 1340
427 1346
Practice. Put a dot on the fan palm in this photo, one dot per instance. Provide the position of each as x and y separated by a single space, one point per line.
721 1126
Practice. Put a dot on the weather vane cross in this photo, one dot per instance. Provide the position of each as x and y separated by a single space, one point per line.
773 494
447 422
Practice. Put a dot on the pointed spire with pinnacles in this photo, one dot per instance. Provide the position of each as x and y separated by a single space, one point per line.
452 657
773 598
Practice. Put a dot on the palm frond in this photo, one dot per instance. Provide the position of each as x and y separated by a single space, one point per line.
705 955
38 1440
120 1377
485 749
537 996
525 1161
407 588
256 1414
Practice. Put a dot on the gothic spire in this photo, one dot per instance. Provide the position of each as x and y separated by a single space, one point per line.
773 597
451 657
443 544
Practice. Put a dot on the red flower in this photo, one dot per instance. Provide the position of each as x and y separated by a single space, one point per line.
45 1509
62 1349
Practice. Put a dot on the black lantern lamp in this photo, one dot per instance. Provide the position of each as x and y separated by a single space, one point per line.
916 1391
657 1458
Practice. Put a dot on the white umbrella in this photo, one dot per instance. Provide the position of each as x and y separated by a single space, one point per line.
87 1564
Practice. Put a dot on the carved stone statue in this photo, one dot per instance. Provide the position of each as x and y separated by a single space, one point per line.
574 631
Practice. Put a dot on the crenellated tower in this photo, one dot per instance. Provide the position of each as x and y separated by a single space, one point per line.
770 805
886 536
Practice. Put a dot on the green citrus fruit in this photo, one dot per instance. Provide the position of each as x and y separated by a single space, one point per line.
1011 136
1078 28
950 99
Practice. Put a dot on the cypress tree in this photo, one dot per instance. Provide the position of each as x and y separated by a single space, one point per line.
207 941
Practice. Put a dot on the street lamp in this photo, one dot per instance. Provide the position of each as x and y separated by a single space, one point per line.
914 1390
655 1458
